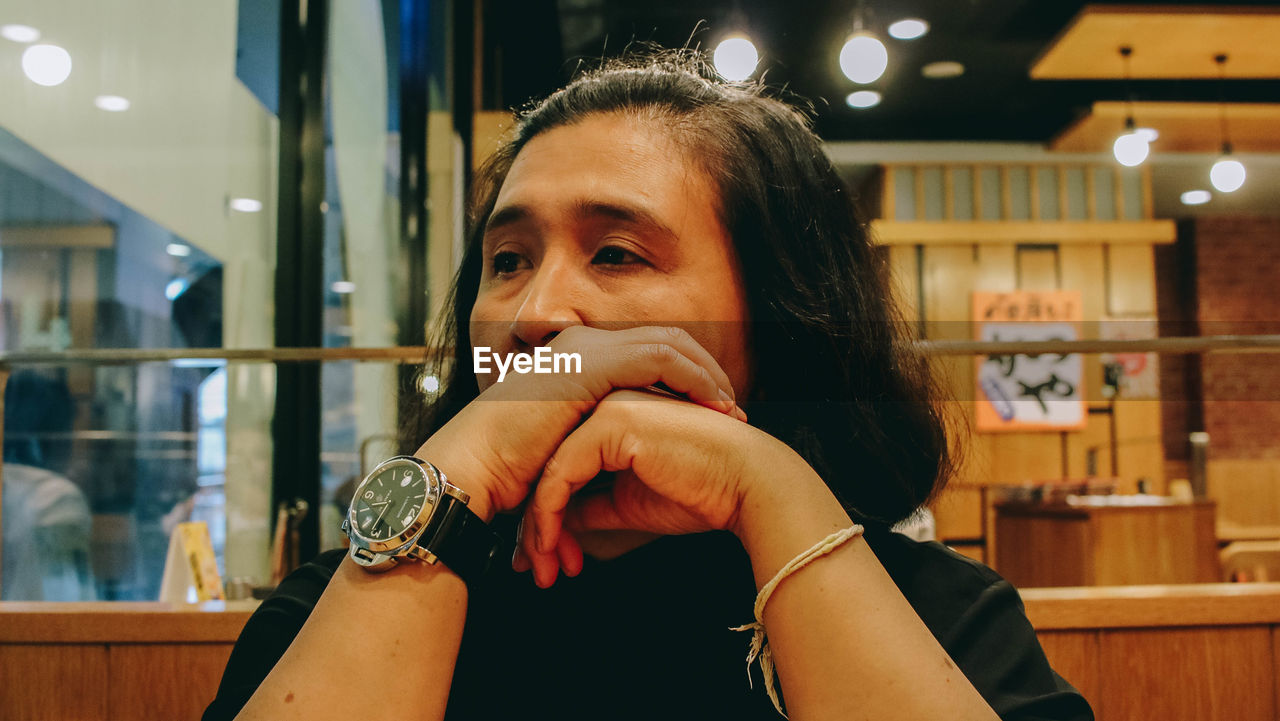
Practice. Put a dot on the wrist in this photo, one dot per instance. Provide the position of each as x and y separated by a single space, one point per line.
462 472
784 514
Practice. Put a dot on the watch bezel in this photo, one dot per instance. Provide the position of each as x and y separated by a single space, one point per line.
409 536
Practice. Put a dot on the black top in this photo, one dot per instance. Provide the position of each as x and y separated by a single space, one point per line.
646 635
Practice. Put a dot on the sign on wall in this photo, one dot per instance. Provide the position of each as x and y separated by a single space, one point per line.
1020 392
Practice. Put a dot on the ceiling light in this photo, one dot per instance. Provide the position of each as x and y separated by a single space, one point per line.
246 205
909 29
19 33
1227 175
1149 134
111 103
1133 146
343 287
863 99
1196 197
863 59
46 65
942 69
735 59
178 250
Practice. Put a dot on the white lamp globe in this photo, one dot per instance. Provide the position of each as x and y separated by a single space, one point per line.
1131 149
46 65
735 59
863 58
1227 175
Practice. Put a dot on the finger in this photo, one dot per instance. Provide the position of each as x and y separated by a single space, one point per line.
580 458
569 553
645 356
545 565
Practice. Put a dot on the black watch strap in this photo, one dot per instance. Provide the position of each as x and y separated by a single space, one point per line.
460 539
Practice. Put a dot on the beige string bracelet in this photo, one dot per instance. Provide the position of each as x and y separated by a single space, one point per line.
759 644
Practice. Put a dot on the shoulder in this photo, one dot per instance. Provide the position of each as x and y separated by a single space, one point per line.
978 617
940 584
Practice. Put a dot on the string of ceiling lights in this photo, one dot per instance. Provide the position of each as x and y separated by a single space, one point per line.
863 57
1133 145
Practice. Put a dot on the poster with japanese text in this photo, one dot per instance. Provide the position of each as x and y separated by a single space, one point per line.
1019 392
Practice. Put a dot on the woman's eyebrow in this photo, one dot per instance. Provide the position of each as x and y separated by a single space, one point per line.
586 210
626 213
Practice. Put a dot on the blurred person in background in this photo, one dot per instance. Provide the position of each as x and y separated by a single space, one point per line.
46 519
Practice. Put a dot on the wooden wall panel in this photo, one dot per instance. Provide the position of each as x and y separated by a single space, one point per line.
957 513
1084 268
904 270
144 684
949 275
1037 268
1141 445
1248 496
41 682
1096 435
1131 287
1074 655
1187 674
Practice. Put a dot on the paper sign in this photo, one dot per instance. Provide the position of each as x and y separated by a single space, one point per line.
1022 392
191 568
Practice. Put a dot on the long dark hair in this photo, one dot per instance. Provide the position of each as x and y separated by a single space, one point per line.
832 376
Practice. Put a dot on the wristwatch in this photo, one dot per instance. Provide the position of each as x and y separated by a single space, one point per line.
406 509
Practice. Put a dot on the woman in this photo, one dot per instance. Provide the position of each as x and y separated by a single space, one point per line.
673 231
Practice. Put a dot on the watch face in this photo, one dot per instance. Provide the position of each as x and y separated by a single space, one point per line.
389 501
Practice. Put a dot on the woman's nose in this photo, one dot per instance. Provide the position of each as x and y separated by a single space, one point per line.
548 307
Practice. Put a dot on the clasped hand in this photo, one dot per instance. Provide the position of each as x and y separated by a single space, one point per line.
682 466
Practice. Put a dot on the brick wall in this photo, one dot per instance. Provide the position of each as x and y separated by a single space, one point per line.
1236 286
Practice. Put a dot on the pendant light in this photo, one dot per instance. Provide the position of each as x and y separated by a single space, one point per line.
863 59
1227 175
1133 146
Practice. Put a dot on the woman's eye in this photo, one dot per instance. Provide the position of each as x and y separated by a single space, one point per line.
613 255
506 262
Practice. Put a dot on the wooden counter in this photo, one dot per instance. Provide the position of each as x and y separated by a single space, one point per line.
1194 652
1117 540
113 660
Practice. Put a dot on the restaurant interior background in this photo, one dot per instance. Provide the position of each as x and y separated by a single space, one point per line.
188 190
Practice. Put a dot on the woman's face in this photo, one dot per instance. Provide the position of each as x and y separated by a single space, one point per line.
605 223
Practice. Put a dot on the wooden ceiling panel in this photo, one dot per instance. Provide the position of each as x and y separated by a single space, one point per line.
1183 127
1169 42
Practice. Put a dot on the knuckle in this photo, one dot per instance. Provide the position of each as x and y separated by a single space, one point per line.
662 353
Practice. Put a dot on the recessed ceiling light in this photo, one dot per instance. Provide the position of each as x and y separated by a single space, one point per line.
246 205
46 65
863 99
942 69
112 103
1196 197
342 287
19 33
178 250
909 29
1150 134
